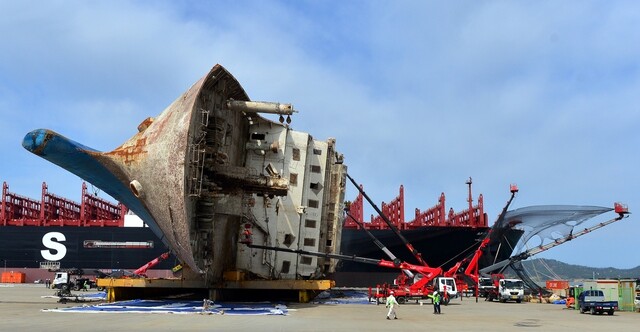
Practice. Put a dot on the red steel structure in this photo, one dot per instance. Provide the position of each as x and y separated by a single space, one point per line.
473 217
53 210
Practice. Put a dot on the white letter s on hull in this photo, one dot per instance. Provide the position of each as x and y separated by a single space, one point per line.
48 241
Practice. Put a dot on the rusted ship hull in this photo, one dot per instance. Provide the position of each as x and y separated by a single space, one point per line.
190 174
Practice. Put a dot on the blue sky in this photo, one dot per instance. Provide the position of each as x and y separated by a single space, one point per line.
426 94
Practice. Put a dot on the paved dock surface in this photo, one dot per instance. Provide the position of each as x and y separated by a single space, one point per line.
21 310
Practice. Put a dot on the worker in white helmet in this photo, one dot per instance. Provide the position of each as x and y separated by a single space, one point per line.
435 297
391 304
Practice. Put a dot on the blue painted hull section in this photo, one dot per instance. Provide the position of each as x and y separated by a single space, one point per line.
81 161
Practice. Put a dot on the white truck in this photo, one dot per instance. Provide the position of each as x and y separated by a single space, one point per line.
506 290
511 289
446 285
69 280
485 286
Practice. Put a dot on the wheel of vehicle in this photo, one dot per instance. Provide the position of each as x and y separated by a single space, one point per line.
402 300
581 310
446 301
610 312
593 310
518 301
76 288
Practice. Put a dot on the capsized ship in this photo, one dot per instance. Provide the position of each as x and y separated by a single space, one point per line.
210 168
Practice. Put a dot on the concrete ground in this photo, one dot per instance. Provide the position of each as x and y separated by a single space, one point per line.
21 310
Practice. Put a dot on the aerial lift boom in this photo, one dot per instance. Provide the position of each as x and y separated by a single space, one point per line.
471 271
143 269
413 251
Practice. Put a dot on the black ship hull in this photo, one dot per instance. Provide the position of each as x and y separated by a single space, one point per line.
128 248
105 248
440 247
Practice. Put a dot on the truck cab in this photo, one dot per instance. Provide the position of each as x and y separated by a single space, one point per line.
503 289
68 281
510 289
446 285
593 301
60 280
485 286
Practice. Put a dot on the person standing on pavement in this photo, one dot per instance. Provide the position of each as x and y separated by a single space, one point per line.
392 304
435 297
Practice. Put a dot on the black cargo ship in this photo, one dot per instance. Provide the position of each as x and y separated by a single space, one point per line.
57 233
105 248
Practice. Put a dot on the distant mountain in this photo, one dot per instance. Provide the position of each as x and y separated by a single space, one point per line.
541 269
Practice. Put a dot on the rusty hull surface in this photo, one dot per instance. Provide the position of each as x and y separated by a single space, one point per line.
176 170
